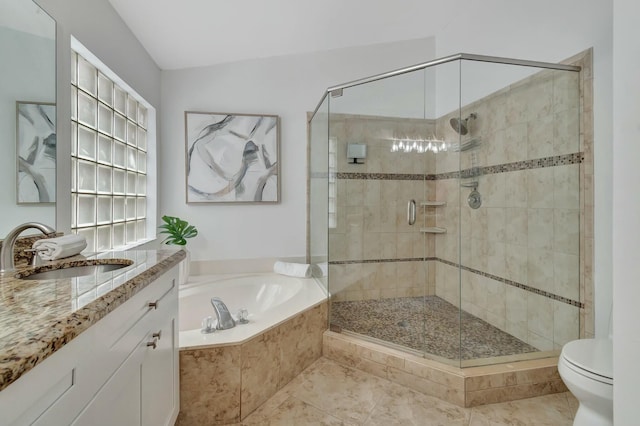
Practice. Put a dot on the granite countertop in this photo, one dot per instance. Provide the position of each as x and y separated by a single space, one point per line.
38 317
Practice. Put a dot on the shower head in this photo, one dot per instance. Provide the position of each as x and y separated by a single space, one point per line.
460 125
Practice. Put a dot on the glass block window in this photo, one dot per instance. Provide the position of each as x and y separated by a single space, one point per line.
108 160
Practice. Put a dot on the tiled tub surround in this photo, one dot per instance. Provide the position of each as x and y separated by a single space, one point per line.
465 387
536 177
39 317
223 384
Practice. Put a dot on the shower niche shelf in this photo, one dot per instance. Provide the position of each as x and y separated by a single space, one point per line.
467 145
433 230
433 203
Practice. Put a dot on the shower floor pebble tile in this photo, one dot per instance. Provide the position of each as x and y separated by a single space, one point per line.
428 324
328 393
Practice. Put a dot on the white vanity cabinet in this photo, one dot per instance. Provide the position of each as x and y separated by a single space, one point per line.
123 370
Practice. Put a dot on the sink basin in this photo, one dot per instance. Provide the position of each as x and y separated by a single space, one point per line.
89 267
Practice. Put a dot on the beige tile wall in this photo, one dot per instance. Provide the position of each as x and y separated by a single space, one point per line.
372 214
223 385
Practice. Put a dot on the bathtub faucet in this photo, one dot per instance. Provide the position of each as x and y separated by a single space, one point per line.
224 316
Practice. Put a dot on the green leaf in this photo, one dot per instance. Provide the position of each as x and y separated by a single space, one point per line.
178 230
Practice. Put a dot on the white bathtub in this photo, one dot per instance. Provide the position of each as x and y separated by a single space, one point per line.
269 298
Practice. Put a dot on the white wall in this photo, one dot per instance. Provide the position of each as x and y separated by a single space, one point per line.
99 28
626 210
287 86
549 30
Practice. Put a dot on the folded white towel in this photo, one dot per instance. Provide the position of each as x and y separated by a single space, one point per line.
302 270
60 247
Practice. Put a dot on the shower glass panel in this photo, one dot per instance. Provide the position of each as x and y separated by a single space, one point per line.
445 199
519 258
321 181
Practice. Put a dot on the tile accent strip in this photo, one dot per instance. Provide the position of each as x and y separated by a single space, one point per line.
512 283
384 176
517 284
538 163
404 259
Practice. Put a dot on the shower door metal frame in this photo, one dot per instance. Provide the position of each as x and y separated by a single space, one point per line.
456 57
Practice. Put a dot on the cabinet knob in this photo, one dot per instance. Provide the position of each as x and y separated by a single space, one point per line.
153 305
153 344
157 335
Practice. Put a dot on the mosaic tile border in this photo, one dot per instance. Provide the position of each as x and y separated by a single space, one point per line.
521 286
384 176
404 259
512 283
538 163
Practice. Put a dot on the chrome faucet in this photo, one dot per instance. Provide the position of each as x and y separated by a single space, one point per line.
225 321
6 253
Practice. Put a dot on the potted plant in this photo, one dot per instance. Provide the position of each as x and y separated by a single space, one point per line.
178 231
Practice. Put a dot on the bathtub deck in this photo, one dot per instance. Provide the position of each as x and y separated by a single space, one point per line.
428 324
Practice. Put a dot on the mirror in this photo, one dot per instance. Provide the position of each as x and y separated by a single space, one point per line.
27 114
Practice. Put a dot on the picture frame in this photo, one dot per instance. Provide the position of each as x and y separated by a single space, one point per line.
35 152
232 158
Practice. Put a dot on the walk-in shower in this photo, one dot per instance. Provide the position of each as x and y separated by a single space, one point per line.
489 151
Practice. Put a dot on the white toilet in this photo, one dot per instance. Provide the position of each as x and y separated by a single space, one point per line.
586 367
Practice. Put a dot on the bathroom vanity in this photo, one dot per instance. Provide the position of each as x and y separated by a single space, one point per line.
95 350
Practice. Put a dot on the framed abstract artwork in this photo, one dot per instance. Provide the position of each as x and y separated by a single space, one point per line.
232 158
35 152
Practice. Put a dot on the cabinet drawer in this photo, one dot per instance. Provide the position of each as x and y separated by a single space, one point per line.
116 325
119 333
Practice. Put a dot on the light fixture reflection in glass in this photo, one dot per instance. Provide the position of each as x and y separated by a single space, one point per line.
419 146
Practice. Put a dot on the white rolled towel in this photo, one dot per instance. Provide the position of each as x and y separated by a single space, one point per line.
60 247
301 270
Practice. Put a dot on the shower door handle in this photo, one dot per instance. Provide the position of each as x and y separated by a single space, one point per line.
411 212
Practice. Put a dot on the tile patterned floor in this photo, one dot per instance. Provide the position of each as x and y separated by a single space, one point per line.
428 324
327 393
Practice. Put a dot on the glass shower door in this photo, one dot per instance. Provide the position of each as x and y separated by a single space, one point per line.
378 138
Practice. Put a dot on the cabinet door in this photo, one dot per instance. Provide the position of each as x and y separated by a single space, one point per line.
160 399
118 401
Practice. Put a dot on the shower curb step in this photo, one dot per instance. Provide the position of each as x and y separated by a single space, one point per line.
465 387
